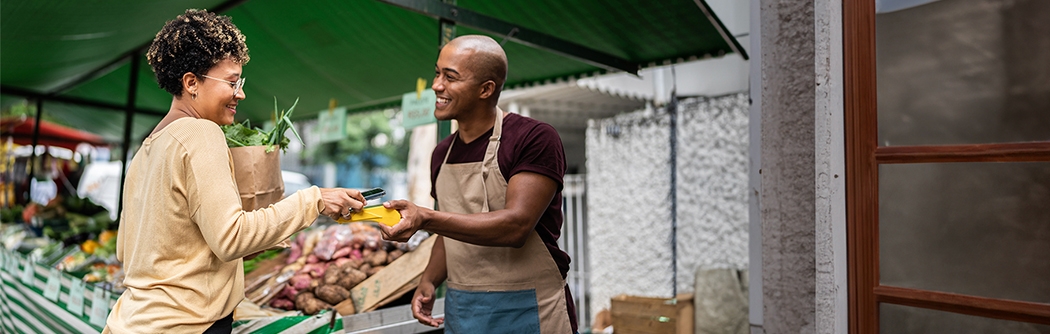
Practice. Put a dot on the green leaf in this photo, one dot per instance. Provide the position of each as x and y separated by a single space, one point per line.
242 134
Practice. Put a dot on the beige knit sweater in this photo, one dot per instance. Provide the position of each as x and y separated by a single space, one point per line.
183 233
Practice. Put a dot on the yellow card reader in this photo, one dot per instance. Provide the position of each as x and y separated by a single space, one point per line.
375 213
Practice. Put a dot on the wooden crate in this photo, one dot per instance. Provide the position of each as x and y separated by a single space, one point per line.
631 314
396 279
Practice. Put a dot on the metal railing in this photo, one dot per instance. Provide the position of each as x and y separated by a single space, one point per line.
574 242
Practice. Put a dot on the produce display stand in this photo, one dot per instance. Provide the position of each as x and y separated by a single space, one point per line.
394 320
36 298
323 322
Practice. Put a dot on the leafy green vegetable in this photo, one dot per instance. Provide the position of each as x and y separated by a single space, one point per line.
250 265
242 134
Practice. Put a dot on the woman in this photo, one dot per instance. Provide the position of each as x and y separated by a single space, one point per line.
183 232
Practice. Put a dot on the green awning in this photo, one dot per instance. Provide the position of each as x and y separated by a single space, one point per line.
362 53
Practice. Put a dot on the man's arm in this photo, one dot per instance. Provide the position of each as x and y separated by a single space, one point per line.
528 195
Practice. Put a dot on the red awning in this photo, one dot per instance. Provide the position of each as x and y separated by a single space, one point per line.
51 134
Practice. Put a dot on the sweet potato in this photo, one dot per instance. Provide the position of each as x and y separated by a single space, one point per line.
309 244
314 269
300 281
297 248
332 294
283 303
342 252
288 292
335 237
339 262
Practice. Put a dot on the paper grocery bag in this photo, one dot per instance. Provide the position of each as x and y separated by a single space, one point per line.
258 176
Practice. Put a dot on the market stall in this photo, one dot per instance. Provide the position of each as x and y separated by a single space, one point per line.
339 62
21 128
330 272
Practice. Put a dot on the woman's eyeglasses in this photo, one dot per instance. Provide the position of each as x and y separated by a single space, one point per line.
236 85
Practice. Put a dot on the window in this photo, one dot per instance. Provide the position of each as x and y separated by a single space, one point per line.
948 166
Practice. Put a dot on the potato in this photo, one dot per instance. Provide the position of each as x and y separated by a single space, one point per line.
377 258
332 294
375 270
393 255
351 278
309 303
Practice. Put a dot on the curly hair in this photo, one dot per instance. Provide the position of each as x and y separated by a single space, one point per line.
194 42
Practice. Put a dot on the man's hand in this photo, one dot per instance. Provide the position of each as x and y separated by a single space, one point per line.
423 304
412 219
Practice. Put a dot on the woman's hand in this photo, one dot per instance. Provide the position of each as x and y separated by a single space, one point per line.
340 202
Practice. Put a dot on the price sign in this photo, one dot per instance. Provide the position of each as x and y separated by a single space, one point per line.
331 125
99 308
75 304
12 264
27 273
418 109
54 285
9 263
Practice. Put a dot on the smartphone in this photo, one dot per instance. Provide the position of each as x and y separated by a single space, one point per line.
373 193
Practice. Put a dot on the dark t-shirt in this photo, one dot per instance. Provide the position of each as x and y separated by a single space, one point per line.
527 145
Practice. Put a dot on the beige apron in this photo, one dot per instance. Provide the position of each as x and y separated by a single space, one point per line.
496 289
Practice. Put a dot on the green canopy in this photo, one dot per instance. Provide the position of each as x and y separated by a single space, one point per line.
362 53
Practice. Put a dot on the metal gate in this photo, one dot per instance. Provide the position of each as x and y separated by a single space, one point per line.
574 241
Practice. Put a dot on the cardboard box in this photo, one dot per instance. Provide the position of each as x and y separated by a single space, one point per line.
631 314
396 279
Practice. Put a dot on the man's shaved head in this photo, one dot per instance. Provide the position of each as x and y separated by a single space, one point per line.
488 61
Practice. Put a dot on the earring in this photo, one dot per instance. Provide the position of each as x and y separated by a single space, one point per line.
193 96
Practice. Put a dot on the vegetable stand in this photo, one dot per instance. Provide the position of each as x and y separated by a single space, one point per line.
36 297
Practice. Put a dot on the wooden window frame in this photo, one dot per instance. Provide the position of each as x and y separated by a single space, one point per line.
863 157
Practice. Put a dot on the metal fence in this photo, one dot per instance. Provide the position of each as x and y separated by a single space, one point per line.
574 241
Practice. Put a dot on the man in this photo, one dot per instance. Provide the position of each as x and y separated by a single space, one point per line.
497 182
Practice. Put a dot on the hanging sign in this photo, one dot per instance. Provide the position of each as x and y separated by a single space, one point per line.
75 304
27 273
418 108
331 124
99 308
54 284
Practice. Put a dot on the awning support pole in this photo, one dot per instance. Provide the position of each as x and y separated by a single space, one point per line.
36 140
447 32
129 116
672 109
445 11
